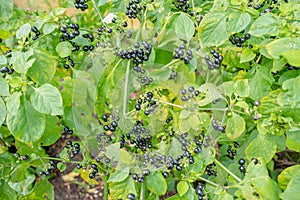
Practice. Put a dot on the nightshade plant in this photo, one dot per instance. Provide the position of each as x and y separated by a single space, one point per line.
190 97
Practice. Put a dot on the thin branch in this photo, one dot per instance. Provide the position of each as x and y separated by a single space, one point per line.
126 88
97 10
228 171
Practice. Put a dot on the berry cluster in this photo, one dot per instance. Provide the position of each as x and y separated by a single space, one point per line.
173 74
140 136
103 157
94 171
133 9
232 150
73 149
104 28
81 4
215 61
242 167
155 160
146 102
238 40
211 169
36 31
141 178
189 93
69 62
5 69
290 67
200 191
217 127
182 5
49 170
69 32
183 53
111 127
67 130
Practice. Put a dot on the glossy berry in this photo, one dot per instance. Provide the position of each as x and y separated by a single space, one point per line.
242 161
25 157
165 174
131 196
92 175
256 103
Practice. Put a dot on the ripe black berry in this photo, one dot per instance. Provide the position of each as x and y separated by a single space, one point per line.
131 196
242 161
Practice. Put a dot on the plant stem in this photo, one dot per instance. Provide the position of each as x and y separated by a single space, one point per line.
227 170
126 88
97 10
170 63
208 181
58 159
142 194
170 104
105 192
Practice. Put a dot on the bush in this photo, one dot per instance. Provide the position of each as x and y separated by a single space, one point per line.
161 99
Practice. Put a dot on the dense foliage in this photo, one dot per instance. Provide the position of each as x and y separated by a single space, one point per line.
186 96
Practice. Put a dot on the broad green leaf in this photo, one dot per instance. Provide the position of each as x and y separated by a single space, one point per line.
241 88
235 126
23 30
52 131
6 10
261 82
4 88
210 28
287 47
224 196
85 176
120 190
18 174
119 175
261 146
238 21
22 62
194 121
47 99
2 111
13 103
49 28
247 55
28 125
156 183
211 92
44 67
286 175
292 190
6 192
258 182
265 25
64 49
42 190
182 188
184 27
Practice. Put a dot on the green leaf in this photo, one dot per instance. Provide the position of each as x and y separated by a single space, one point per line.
235 126
42 190
2 111
4 88
3 60
64 49
241 88
287 47
6 192
292 190
44 67
120 190
265 25
23 30
247 55
261 146
261 82
61 166
238 21
28 125
18 173
119 175
210 28
184 27
22 62
52 131
6 10
211 92
286 176
13 103
157 184
47 99
182 188
49 28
